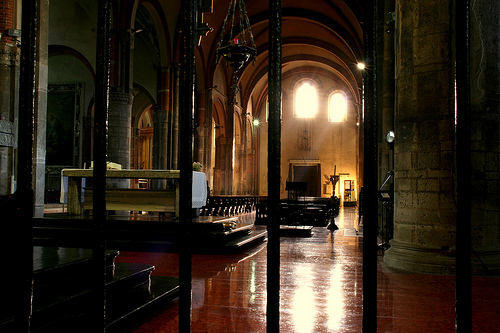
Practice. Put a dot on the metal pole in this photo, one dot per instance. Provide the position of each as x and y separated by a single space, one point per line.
463 264
22 215
370 174
186 114
100 153
274 166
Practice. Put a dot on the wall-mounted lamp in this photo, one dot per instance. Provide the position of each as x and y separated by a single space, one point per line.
360 65
256 122
391 18
390 136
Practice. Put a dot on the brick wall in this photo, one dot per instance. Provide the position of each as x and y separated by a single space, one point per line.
6 18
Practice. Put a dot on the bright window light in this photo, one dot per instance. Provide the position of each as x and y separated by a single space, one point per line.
337 107
306 101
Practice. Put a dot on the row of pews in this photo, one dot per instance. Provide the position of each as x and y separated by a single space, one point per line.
311 211
229 205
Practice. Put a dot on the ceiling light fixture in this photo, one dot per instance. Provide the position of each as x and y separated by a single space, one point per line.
237 50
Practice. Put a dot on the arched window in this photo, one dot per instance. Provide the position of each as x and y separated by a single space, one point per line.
306 100
337 107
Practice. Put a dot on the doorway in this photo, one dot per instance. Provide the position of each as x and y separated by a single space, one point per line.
309 174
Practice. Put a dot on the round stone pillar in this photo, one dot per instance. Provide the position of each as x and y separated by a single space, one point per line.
160 145
200 131
160 141
485 132
424 210
120 131
9 76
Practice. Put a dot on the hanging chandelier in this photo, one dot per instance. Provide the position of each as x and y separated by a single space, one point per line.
237 50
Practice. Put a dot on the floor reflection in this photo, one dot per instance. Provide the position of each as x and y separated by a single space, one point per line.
321 290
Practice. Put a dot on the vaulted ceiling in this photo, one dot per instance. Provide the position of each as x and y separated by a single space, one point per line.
318 35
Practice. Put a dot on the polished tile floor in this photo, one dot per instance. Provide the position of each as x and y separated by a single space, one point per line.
321 290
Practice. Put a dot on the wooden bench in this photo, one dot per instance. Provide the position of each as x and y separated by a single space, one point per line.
120 198
314 211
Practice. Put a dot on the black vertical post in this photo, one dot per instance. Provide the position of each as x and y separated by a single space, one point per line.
370 174
463 234
186 114
100 153
22 217
274 166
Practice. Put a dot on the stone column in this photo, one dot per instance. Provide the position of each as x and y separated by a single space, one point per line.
424 209
247 154
220 176
174 120
207 157
160 139
223 164
251 158
162 118
9 78
200 124
120 105
160 145
228 151
40 135
386 91
485 141
120 130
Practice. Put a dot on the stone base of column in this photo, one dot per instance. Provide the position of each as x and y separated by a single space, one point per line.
419 259
486 262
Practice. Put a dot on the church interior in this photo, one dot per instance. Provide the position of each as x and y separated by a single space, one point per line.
243 166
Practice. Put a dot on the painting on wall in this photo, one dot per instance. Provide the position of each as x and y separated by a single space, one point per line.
62 135
63 114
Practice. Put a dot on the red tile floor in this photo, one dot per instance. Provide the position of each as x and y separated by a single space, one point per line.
321 290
